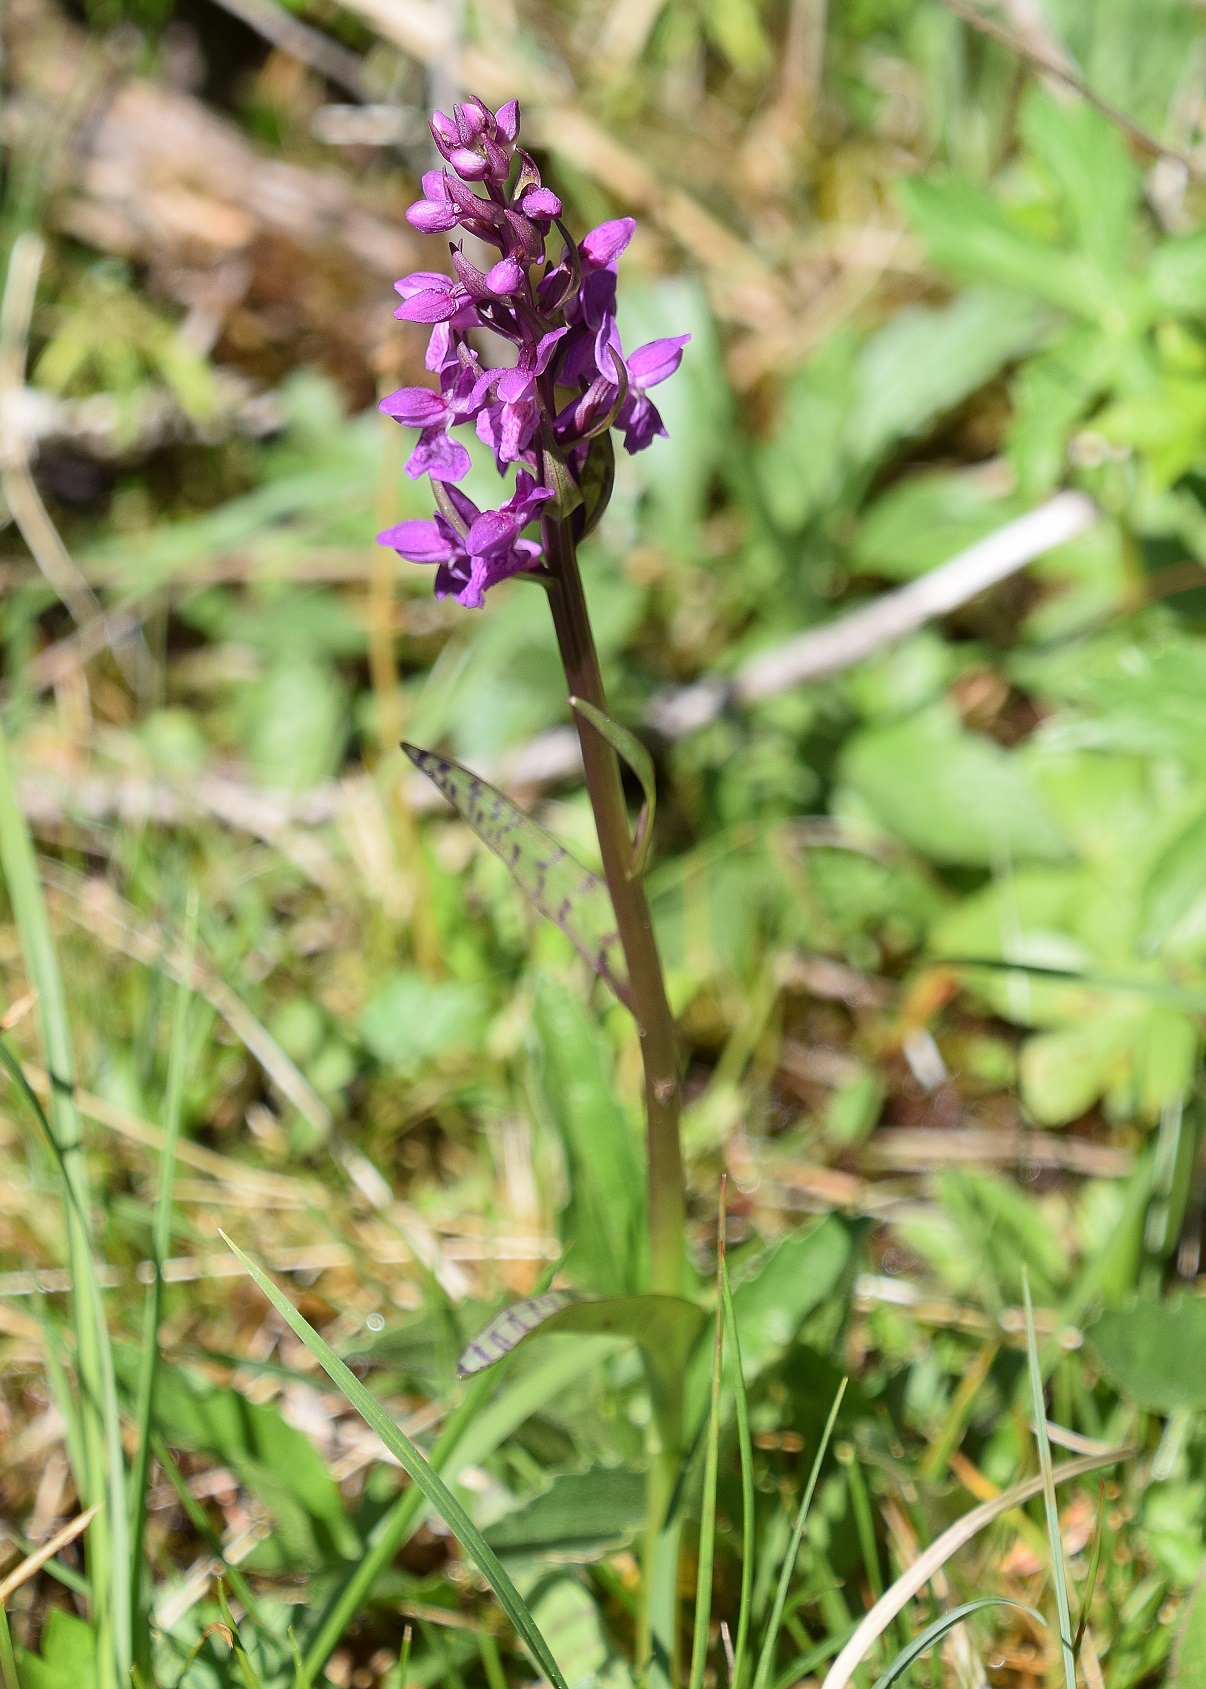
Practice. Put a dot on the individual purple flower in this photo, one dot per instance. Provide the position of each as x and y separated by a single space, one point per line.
464 387
484 549
638 416
428 296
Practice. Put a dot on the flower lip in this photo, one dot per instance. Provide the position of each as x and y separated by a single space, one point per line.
419 540
416 406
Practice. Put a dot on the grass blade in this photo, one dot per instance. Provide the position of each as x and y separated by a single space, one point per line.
410 1458
746 1446
1051 1506
8 1662
766 1658
102 1478
145 1397
401 1519
707 1516
936 1631
915 1577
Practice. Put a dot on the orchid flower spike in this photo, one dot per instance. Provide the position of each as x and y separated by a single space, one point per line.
566 380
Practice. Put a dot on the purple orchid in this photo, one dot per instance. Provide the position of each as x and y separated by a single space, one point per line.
568 379
481 549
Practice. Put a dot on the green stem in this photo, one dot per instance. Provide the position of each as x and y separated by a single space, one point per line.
650 1007
667 1212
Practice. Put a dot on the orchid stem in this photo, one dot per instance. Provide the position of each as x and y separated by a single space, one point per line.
659 1054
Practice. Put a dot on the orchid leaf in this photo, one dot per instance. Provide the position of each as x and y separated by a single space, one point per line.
665 1327
571 896
627 746
508 1329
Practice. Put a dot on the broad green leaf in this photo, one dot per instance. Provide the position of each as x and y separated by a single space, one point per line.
1189 1660
966 232
665 1328
926 519
928 359
771 1304
604 1219
1098 182
274 1460
935 1632
954 796
1176 275
1174 898
417 1469
571 896
628 747
1154 1352
580 1517
66 1658
411 1019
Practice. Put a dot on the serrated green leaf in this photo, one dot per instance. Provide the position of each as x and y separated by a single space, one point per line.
571 896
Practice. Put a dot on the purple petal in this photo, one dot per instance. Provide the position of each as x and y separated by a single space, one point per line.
507 118
660 358
515 385
439 348
641 421
540 202
469 166
493 530
506 277
418 540
434 184
421 281
417 406
432 216
605 244
464 506
432 306
438 456
546 346
443 128
474 118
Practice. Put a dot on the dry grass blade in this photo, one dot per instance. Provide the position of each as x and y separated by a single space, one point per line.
34 1562
895 1599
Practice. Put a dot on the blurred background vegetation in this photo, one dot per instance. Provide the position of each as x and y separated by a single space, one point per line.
935 923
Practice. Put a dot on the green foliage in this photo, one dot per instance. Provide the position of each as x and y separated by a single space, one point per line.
1153 1352
604 1219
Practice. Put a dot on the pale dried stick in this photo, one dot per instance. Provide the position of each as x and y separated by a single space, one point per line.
34 1562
